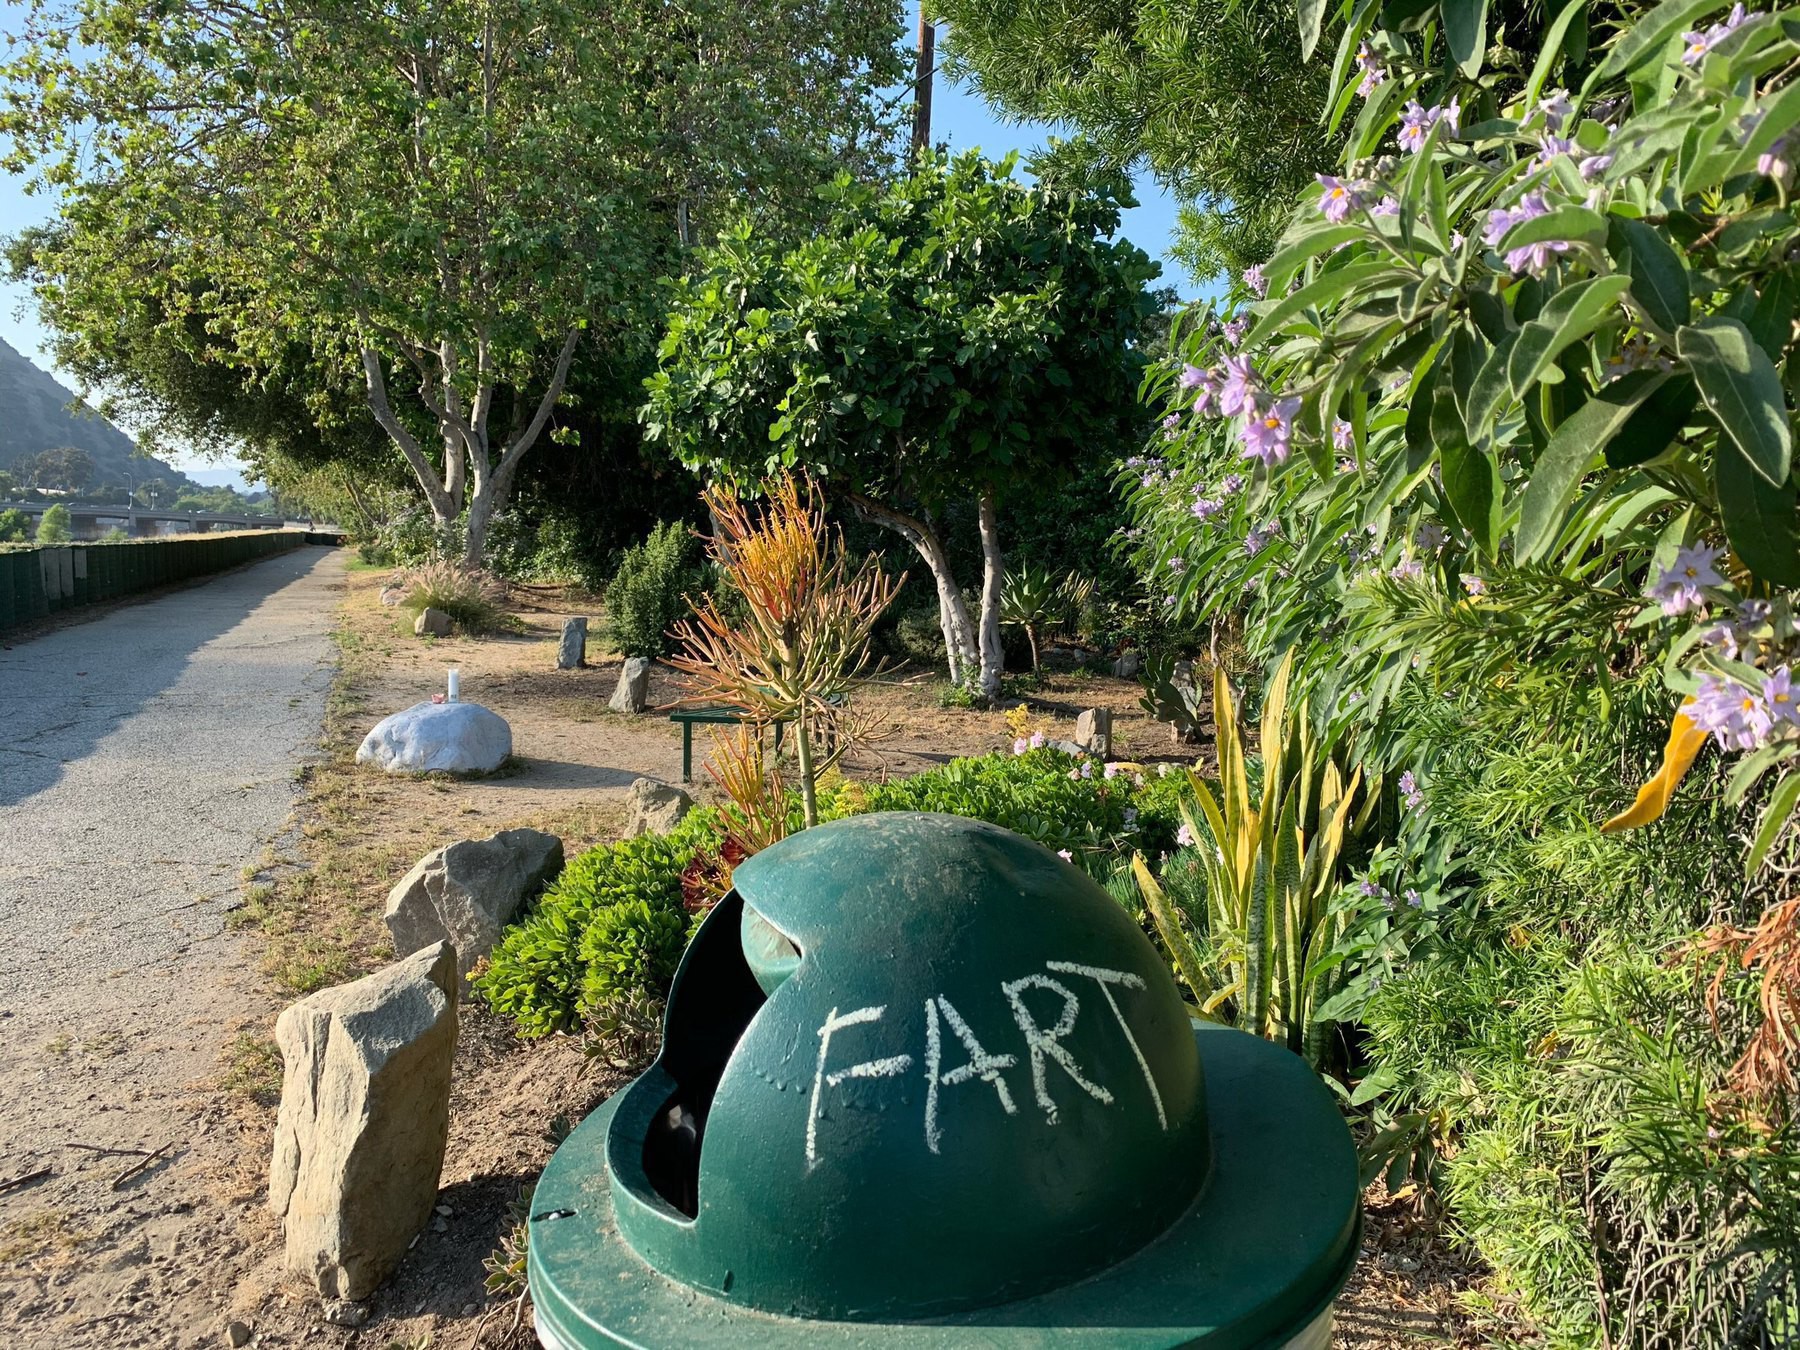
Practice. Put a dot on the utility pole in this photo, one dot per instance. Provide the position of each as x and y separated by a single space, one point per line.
921 137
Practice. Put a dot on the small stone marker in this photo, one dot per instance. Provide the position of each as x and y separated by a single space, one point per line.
434 622
469 891
365 1113
572 654
438 738
1093 729
633 692
1127 666
654 808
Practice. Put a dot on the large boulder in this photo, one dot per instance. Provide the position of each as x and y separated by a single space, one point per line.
571 652
633 691
433 623
438 738
468 892
654 808
365 1113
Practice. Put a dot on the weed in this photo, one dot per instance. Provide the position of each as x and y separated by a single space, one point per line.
253 1069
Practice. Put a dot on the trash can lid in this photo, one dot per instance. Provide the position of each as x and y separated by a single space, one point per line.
916 1066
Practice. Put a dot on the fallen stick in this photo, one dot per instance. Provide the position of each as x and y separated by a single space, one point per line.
23 1178
110 1152
139 1166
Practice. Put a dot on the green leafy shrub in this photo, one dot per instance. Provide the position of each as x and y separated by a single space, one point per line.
611 925
917 636
468 596
15 525
55 526
648 593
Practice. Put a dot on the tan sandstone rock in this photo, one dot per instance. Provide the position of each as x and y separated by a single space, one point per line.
365 1113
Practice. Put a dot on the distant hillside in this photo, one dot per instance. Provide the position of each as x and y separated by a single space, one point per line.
35 416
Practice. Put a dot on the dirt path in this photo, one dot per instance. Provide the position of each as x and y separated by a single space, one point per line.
146 760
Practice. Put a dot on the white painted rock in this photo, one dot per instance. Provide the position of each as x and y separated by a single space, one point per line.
438 738
468 892
654 808
365 1113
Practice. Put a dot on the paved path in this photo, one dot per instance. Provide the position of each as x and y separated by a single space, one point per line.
146 758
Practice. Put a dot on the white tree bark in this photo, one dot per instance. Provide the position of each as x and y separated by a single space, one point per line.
993 573
953 612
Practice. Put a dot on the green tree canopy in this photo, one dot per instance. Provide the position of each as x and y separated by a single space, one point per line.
441 197
65 469
958 337
55 526
1211 95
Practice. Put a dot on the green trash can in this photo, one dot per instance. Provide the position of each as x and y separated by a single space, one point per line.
923 1083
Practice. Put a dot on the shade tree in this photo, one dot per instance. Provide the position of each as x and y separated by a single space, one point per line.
958 337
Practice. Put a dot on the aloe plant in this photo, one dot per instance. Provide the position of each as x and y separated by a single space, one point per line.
1032 599
1258 951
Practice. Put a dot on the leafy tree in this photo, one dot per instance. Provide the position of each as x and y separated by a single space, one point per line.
65 468
55 526
8 484
444 195
957 337
1211 95
15 525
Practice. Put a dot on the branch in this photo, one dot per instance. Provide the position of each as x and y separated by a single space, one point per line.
384 414
516 451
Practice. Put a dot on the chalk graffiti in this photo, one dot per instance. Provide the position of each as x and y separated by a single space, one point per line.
1044 1046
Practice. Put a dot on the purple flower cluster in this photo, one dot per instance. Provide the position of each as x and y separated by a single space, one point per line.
1258 538
1416 123
1533 258
1255 282
1410 794
1407 569
1339 197
1205 508
1473 584
1695 45
1235 328
1374 74
1638 353
1431 537
1741 718
1677 589
1343 435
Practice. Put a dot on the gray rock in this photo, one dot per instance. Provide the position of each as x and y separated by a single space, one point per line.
1068 747
1093 729
1127 666
633 691
433 621
365 1113
392 595
341 1312
572 653
438 738
468 892
654 808
237 1334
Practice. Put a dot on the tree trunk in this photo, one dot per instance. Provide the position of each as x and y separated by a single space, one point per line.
993 572
481 515
953 612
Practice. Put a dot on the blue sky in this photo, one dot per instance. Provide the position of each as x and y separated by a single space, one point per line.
959 117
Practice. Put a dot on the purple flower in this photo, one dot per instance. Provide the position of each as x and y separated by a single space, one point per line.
1723 636
1346 465
1191 377
1734 716
1374 74
1594 165
1255 282
1205 508
1473 584
1697 45
1235 328
1241 386
1184 837
1343 435
1431 536
1552 146
1370 889
1775 162
1087 768
1410 792
1267 436
1177 564
1677 589
1407 569
1413 899
1387 206
1753 612
1258 539
1534 258
1231 484
1338 199
1415 125
1111 772
1779 702
1171 425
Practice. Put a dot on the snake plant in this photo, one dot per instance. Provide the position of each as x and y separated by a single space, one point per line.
1254 944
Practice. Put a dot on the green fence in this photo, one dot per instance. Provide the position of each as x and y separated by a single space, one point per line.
36 582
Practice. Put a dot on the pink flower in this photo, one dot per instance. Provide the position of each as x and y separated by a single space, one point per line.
1184 837
1039 740
1021 745
1065 855
1241 386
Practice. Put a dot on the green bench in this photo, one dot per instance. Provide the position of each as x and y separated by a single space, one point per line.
716 714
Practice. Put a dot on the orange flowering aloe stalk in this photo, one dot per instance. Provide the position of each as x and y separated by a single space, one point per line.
805 641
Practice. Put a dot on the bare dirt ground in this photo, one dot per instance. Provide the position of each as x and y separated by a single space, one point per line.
314 905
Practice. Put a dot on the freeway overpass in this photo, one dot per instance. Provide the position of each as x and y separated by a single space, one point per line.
93 522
